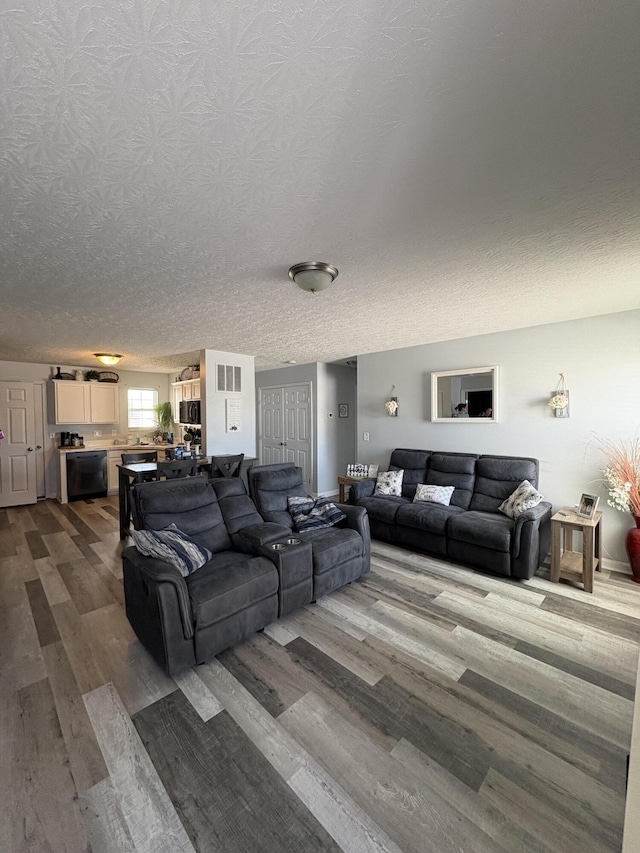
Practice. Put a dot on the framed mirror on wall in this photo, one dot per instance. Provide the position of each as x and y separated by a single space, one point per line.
469 395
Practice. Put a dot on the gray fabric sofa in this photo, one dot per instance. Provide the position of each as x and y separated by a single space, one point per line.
247 584
470 530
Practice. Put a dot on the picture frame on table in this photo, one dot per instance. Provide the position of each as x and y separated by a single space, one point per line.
587 506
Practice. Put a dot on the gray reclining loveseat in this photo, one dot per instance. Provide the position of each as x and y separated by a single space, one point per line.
471 529
258 571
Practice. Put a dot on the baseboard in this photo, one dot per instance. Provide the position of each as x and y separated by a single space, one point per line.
616 566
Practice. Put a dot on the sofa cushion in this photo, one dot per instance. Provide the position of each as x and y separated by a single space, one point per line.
190 503
525 497
431 517
482 529
383 508
414 465
173 546
497 477
332 546
453 469
433 494
270 492
389 483
308 514
228 583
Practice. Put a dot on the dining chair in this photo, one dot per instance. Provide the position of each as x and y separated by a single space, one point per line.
177 468
145 456
226 466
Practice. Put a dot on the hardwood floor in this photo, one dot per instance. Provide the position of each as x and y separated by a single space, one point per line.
425 708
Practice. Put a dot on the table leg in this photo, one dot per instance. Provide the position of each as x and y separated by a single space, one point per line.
555 551
587 558
598 547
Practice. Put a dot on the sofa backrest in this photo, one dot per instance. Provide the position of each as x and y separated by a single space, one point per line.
190 503
414 465
498 476
453 469
271 488
238 510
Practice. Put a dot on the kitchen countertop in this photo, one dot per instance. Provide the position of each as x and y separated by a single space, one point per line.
125 448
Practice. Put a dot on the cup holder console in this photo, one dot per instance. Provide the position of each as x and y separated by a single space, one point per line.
279 546
293 541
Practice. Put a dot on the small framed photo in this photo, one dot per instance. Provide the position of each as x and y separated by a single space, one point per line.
587 506
343 410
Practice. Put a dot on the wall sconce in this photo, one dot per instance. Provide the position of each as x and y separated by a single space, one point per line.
391 405
559 401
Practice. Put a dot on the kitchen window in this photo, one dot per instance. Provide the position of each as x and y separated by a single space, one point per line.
141 402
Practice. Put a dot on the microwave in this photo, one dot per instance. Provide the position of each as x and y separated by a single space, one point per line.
190 412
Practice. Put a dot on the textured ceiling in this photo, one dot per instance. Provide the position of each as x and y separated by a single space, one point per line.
468 166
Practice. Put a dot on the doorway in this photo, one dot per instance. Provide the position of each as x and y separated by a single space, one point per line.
18 484
284 427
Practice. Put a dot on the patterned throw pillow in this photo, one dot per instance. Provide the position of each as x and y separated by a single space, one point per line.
525 497
389 483
434 494
173 546
308 514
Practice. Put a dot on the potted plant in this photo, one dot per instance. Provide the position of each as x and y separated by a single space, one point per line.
92 376
188 438
164 418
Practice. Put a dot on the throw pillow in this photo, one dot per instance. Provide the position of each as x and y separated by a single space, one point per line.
525 497
389 483
173 546
308 514
434 494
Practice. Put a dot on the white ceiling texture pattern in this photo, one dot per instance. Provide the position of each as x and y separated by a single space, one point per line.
468 166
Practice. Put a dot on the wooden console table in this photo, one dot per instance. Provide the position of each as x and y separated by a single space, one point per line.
566 562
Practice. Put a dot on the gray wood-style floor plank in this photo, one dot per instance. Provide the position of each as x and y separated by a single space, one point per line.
227 794
143 802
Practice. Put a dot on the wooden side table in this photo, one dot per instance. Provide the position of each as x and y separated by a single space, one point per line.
343 487
571 564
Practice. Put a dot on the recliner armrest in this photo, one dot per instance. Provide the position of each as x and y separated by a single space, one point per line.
363 489
358 519
157 571
536 514
251 539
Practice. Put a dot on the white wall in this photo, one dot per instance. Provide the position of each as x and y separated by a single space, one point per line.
600 357
216 440
24 372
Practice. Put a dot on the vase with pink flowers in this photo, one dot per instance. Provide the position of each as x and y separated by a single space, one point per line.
622 476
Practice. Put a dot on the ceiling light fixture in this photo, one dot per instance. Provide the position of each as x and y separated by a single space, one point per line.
108 357
313 275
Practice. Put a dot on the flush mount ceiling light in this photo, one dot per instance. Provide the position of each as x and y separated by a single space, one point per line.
108 357
313 275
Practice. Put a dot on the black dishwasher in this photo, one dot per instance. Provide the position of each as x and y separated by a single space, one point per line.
86 475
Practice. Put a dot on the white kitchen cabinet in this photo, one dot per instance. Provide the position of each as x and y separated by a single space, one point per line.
86 402
114 458
189 390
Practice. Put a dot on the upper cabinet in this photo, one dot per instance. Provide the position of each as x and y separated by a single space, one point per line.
189 390
85 402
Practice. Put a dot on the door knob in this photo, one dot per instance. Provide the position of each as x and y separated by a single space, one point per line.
30 449
38 447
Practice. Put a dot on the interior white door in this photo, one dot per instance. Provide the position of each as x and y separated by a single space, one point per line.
285 427
17 448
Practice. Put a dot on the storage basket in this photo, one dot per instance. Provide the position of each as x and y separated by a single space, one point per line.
108 376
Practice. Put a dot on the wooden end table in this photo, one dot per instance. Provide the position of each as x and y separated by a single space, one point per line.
343 487
566 562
